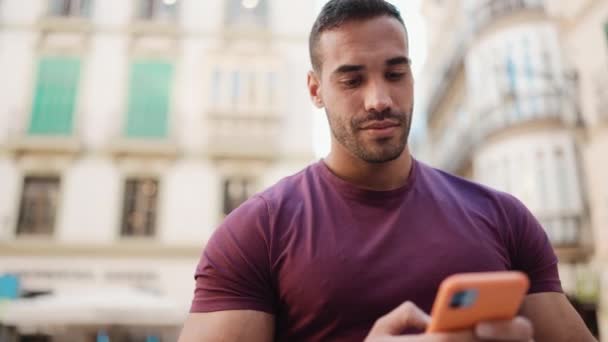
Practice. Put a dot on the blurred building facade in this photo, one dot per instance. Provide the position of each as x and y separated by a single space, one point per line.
129 128
514 93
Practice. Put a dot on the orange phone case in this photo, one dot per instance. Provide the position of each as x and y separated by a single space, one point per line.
498 296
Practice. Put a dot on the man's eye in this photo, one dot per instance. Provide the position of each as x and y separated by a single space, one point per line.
352 82
394 75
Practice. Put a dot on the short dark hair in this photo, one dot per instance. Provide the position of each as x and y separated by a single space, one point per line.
337 12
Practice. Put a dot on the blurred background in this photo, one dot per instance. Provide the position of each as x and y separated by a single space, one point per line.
130 128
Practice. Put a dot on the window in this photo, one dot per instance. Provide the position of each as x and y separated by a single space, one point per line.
139 208
216 85
38 206
511 74
272 88
149 97
55 96
157 10
547 73
245 14
236 88
606 31
252 96
528 69
245 89
541 179
562 177
236 191
70 8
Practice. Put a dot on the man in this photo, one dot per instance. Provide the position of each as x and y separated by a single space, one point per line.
325 253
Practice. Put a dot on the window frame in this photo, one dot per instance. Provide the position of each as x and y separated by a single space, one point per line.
159 11
75 8
233 9
126 233
24 232
249 185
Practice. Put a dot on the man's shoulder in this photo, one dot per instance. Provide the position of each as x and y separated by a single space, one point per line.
292 187
265 204
448 186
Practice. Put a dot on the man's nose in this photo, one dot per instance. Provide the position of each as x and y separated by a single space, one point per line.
377 97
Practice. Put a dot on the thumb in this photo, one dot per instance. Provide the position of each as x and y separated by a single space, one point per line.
406 315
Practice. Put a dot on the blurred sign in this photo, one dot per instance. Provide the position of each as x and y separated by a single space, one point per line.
102 336
9 286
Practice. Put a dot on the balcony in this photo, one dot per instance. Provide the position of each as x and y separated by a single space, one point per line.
18 140
565 231
567 9
28 144
243 136
71 24
551 106
70 33
489 11
146 148
150 27
152 37
148 142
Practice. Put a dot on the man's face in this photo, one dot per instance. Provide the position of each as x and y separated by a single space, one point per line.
366 86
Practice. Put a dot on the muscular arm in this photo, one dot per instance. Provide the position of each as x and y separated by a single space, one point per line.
228 326
554 319
234 295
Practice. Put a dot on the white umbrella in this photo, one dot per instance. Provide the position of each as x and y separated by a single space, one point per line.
91 306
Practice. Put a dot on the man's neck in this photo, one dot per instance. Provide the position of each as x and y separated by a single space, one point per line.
373 176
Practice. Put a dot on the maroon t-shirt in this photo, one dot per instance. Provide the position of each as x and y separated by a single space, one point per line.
328 258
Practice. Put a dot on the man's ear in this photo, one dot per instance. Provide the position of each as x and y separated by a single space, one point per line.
314 89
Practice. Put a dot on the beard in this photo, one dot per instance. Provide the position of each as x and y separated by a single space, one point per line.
375 151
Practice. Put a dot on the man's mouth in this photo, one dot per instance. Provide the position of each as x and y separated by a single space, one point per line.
380 125
381 129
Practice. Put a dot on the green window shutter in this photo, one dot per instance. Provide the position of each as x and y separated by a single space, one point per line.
55 96
149 98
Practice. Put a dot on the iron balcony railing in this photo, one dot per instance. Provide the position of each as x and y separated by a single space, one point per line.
489 11
563 229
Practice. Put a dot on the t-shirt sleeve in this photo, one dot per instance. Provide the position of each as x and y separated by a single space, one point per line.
532 251
234 270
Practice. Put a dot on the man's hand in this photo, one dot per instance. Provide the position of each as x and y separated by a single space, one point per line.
408 315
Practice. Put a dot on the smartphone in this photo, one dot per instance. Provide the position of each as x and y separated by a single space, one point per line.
465 299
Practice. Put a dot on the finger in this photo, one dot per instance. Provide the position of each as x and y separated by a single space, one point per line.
406 315
461 336
517 329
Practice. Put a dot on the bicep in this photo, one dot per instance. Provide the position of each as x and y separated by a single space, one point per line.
234 272
554 318
229 326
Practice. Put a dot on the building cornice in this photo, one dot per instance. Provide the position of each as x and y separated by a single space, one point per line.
118 249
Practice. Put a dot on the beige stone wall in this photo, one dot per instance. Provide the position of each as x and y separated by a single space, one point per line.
585 46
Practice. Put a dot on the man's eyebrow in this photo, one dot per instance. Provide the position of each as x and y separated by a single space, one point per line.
398 60
346 68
